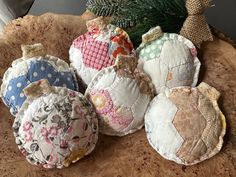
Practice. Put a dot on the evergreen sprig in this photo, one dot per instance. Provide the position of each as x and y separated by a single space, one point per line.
138 16
104 7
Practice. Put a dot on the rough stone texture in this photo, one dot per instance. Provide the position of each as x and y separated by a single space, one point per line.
126 156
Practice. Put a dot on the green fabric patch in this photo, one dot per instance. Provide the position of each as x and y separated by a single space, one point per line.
153 49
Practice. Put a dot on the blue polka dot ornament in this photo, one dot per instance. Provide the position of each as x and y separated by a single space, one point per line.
33 66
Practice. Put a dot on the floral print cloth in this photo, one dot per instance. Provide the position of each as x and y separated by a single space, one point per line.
121 97
24 72
56 129
116 118
98 48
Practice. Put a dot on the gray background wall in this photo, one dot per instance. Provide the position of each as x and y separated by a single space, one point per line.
222 15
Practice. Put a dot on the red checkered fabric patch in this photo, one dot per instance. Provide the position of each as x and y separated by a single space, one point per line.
79 42
95 53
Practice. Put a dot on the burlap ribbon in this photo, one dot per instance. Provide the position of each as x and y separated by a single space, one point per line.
195 27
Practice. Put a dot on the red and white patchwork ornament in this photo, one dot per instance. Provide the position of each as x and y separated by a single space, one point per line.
98 48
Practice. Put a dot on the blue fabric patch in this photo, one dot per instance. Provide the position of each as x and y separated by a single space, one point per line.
38 70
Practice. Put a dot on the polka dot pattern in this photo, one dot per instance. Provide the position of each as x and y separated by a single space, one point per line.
153 50
38 69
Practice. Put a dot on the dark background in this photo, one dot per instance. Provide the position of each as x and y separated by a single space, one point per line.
221 15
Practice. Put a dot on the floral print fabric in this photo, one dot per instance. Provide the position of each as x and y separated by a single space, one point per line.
57 129
115 117
119 101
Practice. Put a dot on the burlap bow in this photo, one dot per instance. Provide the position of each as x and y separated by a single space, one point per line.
195 27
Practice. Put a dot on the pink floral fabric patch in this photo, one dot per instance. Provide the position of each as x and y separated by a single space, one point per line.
111 116
56 130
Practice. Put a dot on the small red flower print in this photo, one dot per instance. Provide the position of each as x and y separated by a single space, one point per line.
45 134
128 45
24 152
28 136
72 94
121 118
102 101
69 130
53 131
63 144
27 126
118 39
44 131
119 50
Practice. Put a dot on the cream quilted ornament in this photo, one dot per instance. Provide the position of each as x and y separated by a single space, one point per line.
185 124
55 126
169 59
121 95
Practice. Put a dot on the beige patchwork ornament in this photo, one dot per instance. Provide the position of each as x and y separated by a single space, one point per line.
185 124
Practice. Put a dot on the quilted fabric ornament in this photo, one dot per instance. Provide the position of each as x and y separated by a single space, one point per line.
98 48
33 66
55 126
185 124
121 95
169 59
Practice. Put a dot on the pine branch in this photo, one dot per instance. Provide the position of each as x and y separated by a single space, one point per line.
104 7
138 16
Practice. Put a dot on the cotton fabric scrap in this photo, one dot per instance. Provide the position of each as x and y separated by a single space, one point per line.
185 124
169 59
120 95
56 126
98 48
